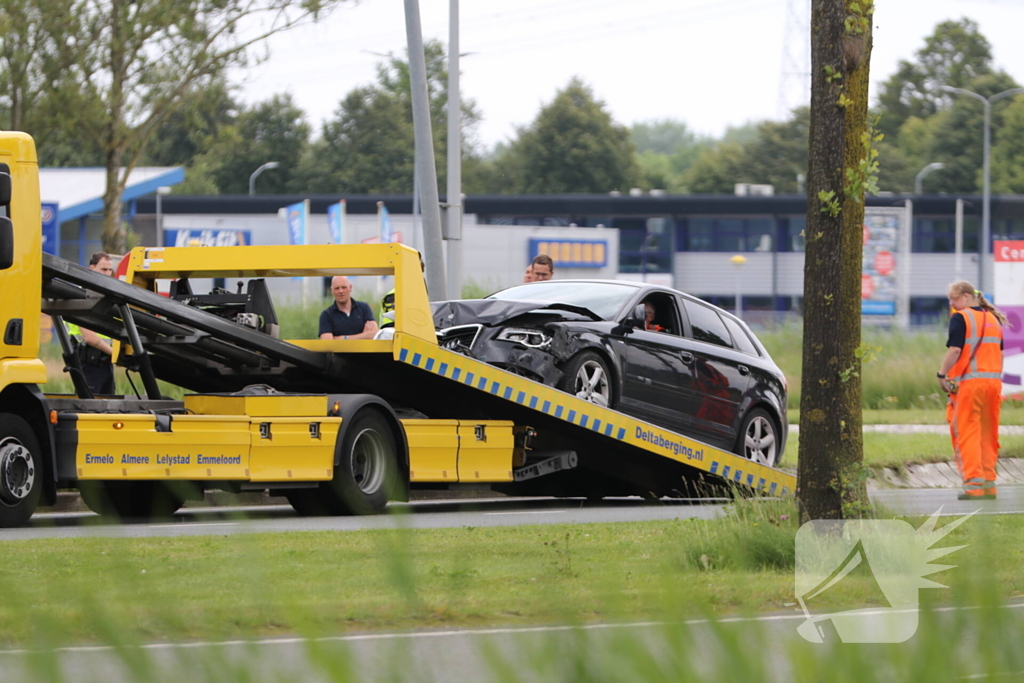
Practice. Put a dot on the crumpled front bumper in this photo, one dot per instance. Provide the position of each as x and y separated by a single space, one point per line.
535 364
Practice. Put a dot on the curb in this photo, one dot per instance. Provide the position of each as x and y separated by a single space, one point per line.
71 501
936 475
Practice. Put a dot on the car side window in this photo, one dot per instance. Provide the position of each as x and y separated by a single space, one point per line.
706 325
741 338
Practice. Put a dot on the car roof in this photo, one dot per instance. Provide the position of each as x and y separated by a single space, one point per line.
636 285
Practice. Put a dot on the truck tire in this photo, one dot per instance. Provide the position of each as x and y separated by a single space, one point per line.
130 500
586 376
367 470
21 471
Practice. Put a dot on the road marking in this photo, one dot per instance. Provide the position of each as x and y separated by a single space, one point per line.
528 512
197 525
472 632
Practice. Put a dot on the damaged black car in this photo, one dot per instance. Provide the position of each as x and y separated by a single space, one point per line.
653 353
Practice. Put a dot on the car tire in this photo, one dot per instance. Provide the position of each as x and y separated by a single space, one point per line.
367 471
21 472
758 439
581 379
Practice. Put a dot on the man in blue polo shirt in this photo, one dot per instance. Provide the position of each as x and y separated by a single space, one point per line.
346 318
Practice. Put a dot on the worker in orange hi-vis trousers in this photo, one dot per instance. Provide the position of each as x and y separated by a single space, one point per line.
971 374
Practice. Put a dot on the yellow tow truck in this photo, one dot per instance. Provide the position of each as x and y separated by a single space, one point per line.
338 427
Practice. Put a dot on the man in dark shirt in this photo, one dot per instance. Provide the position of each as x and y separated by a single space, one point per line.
346 318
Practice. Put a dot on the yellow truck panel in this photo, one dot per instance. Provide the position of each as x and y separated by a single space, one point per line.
293 448
291 405
485 451
433 450
112 446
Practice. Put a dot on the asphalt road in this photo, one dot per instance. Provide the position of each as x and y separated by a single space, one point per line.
691 650
476 513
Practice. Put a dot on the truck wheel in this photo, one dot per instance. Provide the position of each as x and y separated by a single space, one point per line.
586 376
306 502
367 471
759 439
21 472
130 500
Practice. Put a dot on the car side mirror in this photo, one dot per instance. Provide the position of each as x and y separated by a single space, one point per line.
636 319
6 243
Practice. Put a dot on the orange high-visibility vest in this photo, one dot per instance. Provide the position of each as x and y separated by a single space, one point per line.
982 355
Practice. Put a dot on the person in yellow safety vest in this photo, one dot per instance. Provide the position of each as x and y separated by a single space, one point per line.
95 351
387 305
971 374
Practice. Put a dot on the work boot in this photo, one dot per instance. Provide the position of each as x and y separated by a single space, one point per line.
983 496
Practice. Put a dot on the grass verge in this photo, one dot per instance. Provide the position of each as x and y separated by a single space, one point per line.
896 450
325 583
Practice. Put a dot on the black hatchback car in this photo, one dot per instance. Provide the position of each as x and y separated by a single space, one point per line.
654 353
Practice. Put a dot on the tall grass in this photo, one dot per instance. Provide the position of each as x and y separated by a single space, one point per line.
703 586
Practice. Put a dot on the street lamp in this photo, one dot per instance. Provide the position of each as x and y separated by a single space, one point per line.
252 179
986 195
934 166
160 192
738 260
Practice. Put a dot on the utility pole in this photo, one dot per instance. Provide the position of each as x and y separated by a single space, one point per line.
454 213
433 254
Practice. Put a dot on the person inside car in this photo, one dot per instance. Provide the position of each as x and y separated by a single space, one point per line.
649 323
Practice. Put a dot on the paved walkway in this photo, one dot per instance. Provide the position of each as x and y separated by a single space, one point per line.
1004 430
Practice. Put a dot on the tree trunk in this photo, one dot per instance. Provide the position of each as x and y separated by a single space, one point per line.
831 484
113 230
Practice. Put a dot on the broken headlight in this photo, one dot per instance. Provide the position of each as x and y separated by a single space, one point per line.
537 339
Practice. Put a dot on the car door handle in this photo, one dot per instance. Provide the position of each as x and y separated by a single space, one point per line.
744 370
686 356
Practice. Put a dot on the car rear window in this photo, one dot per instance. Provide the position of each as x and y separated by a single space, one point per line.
741 338
706 325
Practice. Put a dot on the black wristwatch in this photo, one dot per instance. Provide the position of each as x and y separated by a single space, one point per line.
940 375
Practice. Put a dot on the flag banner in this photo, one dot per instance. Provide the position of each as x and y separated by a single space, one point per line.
385 223
336 221
297 216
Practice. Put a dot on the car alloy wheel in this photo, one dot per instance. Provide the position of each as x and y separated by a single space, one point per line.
591 383
760 443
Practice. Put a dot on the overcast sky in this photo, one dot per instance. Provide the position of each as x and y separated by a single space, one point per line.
710 63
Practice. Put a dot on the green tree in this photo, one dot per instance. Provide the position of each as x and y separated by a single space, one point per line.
955 54
368 146
1008 150
273 130
957 136
841 164
667 149
572 146
717 170
770 152
132 62
195 126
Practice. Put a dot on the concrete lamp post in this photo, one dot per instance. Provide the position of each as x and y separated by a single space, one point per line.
252 179
738 260
986 214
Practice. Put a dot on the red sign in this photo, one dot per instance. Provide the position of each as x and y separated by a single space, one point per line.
867 234
867 286
884 262
1009 250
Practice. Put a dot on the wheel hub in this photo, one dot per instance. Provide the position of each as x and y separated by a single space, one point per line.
17 472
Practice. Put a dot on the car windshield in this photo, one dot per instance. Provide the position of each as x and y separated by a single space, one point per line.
605 299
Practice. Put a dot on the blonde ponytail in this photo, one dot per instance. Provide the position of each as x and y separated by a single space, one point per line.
986 306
